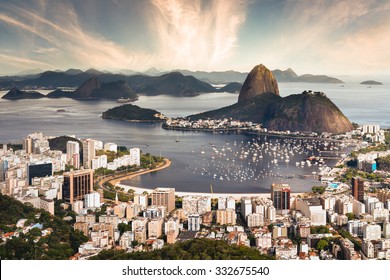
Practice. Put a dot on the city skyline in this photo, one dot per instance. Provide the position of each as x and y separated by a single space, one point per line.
325 37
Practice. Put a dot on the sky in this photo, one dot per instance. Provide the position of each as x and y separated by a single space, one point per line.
334 37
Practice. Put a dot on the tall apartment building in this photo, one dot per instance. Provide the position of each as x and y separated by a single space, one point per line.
28 145
155 227
246 206
164 197
77 184
88 152
226 217
73 153
280 196
358 188
193 222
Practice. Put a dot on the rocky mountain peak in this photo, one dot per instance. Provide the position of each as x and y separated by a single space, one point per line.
260 80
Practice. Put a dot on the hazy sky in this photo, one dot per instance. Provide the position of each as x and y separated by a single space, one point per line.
320 37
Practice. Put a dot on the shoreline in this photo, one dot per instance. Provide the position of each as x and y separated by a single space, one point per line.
248 132
117 181
212 195
166 164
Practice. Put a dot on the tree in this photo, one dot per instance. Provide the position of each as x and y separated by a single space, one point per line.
122 227
322 244
350 216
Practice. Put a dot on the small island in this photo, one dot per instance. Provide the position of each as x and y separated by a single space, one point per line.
133 113
371 82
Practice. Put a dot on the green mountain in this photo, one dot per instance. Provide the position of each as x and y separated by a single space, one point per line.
308 111
130 112
259 102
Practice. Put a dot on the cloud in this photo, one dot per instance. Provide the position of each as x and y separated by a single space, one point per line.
13 63
196 34
69 43
335 36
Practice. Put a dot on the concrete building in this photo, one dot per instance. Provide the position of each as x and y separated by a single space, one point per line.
73 154
126 239
141 199
280 196
135 156
172 225
28 145
140 234
355 227
371 232
109 219
358 207
328 202
226 217
386 230
47 205
370 128
312 209
255 220
164 197
77 184
193 222
92 200
90 219
39 169
77 206
264 241
368 249
271 214
380 215
111 147
88 152
246 206
279 231
358 188
344 205
155 227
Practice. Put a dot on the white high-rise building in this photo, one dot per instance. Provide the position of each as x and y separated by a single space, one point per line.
246 206
193 222
255 220
271 213
92 200
73 153
371 232
222 202
141 199
88 152
111 147
386 230
135 156
370 128
230 203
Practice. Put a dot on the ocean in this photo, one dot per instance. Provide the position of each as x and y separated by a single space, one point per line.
196 165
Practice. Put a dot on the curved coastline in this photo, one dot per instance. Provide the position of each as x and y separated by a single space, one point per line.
167 163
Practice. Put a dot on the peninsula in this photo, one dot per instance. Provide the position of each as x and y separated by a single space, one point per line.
259 101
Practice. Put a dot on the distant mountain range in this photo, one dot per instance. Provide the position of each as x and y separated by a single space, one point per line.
286 76
90 89
145 82
173 83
